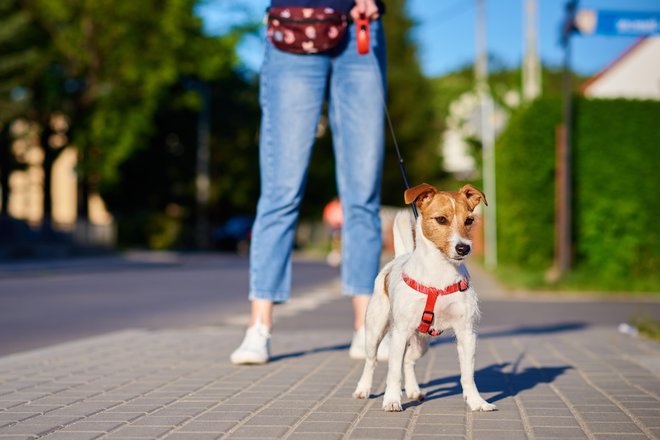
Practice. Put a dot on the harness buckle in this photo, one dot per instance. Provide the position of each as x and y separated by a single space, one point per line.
427 317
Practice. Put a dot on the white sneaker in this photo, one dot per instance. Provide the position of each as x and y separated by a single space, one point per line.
255 348
358 350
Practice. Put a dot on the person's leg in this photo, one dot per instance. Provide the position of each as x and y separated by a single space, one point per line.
291 95
261 310
292 91
360 303
357 122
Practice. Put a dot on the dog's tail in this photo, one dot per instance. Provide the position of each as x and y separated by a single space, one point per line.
404 233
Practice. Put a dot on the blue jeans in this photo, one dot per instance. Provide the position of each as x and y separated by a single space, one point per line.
292 91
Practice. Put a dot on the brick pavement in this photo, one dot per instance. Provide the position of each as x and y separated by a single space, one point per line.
561 382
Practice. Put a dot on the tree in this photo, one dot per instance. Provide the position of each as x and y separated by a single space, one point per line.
20 63
411 109
120 58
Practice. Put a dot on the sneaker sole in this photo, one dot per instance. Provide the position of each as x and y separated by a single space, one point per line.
249 361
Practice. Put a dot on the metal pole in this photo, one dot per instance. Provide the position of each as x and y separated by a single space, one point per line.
487 138
531 72
564 185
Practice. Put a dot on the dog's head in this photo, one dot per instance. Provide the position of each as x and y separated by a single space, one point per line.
447 217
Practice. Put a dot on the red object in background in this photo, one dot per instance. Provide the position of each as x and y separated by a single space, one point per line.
332 214
363 36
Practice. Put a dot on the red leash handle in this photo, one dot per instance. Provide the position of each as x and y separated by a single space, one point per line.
362 23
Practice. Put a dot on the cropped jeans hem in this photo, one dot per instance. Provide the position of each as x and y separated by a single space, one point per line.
357 291
277 297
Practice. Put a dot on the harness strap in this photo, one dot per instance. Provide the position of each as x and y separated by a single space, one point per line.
432 294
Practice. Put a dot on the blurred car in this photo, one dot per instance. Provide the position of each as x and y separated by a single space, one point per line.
234 234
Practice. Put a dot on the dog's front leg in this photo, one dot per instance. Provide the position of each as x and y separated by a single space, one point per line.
392 399
466 340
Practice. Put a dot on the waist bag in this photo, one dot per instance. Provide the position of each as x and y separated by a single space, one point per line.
306 30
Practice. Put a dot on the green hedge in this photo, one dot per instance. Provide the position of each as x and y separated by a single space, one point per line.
525 185
616 178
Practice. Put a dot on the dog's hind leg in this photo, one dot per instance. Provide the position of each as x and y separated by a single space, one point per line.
417 347
376 325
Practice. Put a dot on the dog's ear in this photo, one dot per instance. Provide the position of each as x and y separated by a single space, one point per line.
419 193
473 195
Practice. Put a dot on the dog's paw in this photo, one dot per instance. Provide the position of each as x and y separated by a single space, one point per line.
479 404
392 406
360 394
415 394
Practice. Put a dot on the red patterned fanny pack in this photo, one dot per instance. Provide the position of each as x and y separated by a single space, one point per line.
306 30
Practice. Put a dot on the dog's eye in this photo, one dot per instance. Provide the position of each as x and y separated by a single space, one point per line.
441 220
469 221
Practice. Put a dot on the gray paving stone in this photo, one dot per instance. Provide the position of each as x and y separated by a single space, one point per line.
150 420
338 427
613 427
72 435
179 384
261 420
442 437
620 437
259 432
142 431
553 421
439 429
559 432
651 422
315 436
93 426
440 419
200 426
330 417
605 417
191 436
489 434
497 424
379 433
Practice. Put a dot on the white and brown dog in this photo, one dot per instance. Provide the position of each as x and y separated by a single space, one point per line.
424 291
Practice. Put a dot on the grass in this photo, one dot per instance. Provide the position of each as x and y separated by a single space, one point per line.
647 326
578 281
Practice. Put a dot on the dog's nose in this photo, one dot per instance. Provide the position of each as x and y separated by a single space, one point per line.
462 249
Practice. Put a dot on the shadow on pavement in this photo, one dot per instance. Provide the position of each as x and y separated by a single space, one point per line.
492 379
521 331
281 357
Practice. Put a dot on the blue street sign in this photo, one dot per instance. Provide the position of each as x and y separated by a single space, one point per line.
622 23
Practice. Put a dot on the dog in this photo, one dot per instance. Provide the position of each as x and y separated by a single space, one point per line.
428 263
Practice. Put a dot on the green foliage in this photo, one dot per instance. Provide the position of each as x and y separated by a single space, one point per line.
614 222
616 159
123 56
525 167
411 109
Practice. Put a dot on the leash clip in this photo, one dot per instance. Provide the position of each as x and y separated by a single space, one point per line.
363 37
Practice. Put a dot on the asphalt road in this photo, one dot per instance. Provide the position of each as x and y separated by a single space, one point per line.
44 303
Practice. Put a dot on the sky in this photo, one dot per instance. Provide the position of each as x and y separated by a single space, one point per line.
445 31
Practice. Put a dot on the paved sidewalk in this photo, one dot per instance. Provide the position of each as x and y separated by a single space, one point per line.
562 382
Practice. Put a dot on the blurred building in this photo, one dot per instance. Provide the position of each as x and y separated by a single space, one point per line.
635 74
26 187
463 124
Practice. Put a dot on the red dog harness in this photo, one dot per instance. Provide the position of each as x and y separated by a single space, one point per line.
432 295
